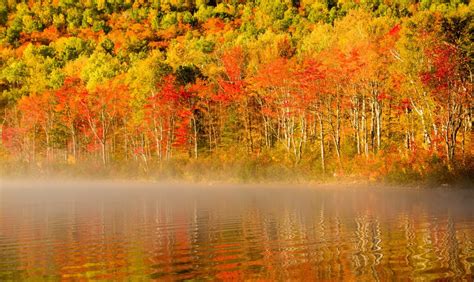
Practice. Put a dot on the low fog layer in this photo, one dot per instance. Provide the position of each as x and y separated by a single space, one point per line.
342 198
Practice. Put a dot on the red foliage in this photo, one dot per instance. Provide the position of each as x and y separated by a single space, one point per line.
445 60
37 110
383 96
12 138
214 25
70 100
168 113
183 128
233 84
405 104
395 30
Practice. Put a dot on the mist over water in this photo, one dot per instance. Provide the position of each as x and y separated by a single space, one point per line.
116 230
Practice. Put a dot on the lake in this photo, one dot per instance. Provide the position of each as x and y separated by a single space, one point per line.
105 230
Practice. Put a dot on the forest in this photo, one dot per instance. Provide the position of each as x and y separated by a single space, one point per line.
378 90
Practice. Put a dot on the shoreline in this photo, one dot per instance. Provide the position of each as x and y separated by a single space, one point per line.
239 172
31 182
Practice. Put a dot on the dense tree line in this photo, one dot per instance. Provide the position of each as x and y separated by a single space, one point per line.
345 87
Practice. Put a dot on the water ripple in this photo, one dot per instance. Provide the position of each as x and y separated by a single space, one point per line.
238 235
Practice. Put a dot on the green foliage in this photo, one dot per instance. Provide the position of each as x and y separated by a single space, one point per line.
15 73
317 12
3 14
73 18
187 18
169 19
205 46
14 77
13 31
108 45
71 48
187 74
203 13
99 68
143 77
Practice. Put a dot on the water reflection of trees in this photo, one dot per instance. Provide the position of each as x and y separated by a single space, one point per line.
154 238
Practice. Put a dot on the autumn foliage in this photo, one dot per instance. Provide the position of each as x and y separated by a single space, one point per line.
347 91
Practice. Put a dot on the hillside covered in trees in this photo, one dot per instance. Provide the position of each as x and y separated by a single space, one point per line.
264 89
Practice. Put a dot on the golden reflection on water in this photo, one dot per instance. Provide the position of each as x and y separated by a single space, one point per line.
237 234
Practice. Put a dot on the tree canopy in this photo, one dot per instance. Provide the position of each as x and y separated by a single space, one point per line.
370 88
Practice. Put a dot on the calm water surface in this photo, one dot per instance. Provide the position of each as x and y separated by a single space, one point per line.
167 232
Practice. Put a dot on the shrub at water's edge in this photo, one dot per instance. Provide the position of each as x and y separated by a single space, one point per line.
264 168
